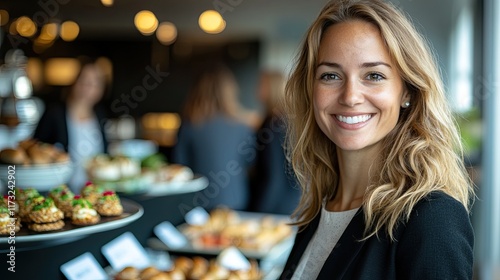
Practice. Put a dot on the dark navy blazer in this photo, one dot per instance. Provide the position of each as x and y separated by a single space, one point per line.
436 243
53 126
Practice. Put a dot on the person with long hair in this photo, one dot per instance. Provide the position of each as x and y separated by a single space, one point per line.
77 123
377 153
214 140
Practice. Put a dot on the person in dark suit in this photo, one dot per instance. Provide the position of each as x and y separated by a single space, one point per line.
273 180
215 141
77 124
377 153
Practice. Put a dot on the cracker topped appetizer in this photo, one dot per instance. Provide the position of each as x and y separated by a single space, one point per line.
65 203
5 221
45 212
57 191
46 216
23 194
109 204
27 205
83 213
91 192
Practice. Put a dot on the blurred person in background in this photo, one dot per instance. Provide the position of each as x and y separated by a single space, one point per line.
273 181
215 141
77 123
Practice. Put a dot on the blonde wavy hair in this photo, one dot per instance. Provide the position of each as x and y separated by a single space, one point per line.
422 154
215 91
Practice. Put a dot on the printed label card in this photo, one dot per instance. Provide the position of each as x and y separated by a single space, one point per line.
125 250
197 216
84 267
170 235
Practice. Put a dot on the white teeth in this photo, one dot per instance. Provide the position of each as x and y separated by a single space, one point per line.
354 120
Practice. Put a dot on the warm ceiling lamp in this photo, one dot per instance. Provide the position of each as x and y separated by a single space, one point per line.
166 33
13 27
34 70
69 31
61 71
4 17
146 22
106 66
211 22
49 32
25 26
107 3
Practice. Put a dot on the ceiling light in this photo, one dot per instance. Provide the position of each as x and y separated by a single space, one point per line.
166 33
69 30
61 71
211 22
4 17
146 22
25 26
49 32
107 3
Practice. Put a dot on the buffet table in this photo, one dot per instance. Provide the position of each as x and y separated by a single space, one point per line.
42 260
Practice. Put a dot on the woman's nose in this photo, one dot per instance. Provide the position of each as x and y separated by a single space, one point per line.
351 94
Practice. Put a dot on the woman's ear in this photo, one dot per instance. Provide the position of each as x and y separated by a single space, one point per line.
405 99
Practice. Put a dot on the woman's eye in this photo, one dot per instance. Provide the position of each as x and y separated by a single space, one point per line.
375 77
329 77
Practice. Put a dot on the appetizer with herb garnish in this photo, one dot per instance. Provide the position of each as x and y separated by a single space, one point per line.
109 204
6 225
25 208
91 192
45 216
83 213
65 203
23 194
46 212
56 192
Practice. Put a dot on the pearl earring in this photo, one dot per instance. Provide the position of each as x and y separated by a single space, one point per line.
407 104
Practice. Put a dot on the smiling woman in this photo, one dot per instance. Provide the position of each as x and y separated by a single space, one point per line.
377 153
357 92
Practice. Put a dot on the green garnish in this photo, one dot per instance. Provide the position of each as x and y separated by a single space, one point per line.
28 193
67 195
91 189
154 161
59 190
82 202
35 199
47 203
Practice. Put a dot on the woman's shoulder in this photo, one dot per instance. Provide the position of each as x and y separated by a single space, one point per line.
438 236
437 200
438 210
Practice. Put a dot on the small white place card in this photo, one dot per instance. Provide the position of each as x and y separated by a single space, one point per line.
125 250
232 259
198 216
171 236
84 267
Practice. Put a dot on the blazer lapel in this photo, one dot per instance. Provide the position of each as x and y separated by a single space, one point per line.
346 249
301 241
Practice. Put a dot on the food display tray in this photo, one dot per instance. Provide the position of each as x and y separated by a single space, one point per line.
282 246
131 212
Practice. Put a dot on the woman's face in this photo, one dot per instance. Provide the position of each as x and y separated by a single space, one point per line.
358 91
89 86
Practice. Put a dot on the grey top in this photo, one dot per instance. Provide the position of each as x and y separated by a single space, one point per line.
330 228
85 141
